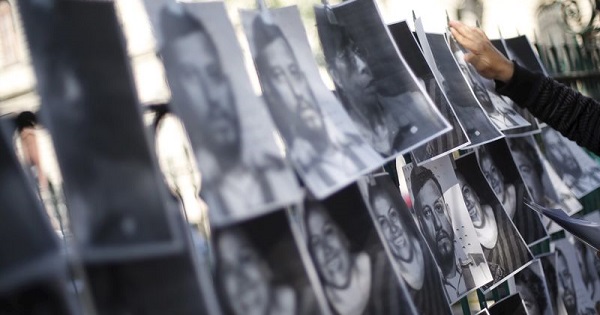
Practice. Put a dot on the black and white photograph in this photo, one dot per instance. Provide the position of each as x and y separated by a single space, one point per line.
244 172
535 176
409 253
443 218
353 266
534 125
376 86
573 298
475 121
261 270
530 283
502 175
548 261
322 142
454 139
115 194
500 111
574 166
504 248
589 263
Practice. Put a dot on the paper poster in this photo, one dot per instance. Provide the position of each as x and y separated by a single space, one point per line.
502 174
441 214
500 111
531 284
573 298
530 164
353 266
471 115
534 126
322 142
117 199
375 84
504 248
409 252
261 270
576 169
244 173
452 140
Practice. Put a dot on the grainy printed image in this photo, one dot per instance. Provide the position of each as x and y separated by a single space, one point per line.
503 176
243 170
410 254
348 254
374 82
455 138
323 144
503 246
440 212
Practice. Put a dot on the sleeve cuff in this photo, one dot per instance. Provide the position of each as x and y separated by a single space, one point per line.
521 87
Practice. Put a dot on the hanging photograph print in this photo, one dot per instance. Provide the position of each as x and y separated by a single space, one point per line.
322 142
441 214
453 139
244 173
504 248
496 164
119 204
352 264
548 261
377 88
530 283
500 112
534 126
536 178
574 166
573 298
260 269
409 253
474 120
589 262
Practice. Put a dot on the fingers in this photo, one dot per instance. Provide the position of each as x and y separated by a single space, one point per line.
464 41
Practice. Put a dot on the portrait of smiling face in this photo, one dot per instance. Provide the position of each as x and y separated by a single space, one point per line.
395 231
329 248
244 275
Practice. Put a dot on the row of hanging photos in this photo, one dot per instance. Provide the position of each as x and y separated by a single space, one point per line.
335 252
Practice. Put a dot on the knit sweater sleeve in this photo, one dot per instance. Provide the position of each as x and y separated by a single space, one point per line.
576 116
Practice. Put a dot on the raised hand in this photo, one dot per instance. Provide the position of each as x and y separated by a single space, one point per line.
486 59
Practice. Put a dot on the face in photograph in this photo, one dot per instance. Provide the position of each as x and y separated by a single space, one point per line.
329 248
560 155
345 276
482 215
532 290
285 85
244 276
530 167
202 82
566 284
433 217
401 243
505 192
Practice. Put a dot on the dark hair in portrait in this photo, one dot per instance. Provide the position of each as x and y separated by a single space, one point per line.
419 176
524 147
529 279
497 152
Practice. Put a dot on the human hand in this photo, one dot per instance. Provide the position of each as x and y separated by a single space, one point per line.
486 59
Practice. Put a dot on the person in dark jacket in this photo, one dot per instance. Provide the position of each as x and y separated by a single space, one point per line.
562 108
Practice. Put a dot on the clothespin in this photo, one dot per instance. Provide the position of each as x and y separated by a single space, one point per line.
329 13
518 33
477 23
500 32
447 18
414 15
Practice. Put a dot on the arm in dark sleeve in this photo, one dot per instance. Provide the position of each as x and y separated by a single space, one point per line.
575 116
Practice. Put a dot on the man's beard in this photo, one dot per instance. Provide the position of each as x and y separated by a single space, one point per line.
446 260
223 148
